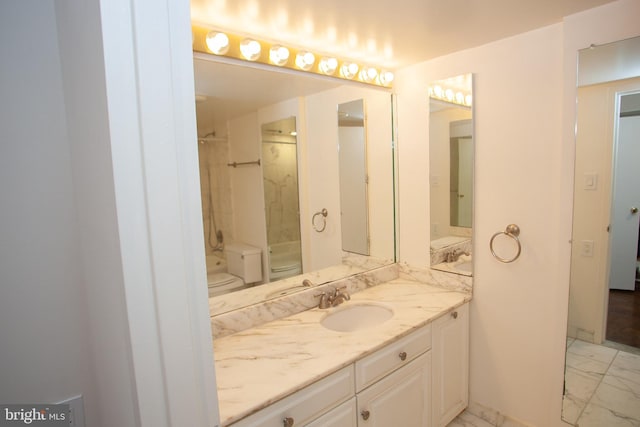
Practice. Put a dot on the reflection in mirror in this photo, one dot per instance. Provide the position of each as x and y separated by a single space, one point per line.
354 215
605 245
252 242
280 175
451 151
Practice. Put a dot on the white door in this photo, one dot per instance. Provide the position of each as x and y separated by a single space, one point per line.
465 181
626 203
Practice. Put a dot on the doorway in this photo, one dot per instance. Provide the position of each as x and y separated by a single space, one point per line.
623 312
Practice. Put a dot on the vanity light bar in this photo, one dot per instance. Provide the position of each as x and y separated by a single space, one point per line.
450 95
222 43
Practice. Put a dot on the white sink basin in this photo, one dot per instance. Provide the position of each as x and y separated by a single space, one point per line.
466 266
355 316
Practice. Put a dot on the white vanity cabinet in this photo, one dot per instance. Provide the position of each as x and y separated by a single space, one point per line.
420 380
450 380
308 404
399 399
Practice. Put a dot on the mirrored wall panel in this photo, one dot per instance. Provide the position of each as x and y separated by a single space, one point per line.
352 154
451 157
284 180
602 374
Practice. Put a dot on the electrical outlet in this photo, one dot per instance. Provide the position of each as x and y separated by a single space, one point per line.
76 407
586 248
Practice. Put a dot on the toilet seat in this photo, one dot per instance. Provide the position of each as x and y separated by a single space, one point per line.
222 283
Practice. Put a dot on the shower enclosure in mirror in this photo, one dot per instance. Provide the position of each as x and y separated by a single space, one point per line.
280 175
275 156
451 152
602 374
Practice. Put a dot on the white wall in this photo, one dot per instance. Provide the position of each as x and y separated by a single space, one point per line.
516 308
45 349
524 113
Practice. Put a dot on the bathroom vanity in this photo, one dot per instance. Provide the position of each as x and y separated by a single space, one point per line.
410 369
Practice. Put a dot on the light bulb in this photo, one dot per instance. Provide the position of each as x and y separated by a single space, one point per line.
386 78
449 95
328 65
459 98
368 74
250 49
305 60
217 43
349 70
437 90
467 100
279 55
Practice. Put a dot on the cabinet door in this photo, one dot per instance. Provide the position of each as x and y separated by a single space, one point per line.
450 377
399 399
342 416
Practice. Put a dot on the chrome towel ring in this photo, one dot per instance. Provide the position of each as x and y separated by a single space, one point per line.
323 214
512 231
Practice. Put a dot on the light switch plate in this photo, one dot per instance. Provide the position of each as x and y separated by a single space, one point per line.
590 181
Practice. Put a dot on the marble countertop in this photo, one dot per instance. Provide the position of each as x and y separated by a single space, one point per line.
264 364
452 267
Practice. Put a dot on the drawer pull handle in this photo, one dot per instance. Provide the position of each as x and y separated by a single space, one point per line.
365 415
288 422
454 314
403 355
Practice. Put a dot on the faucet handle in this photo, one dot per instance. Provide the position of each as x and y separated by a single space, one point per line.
324 300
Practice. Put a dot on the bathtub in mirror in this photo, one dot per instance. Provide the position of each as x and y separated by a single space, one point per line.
601 360
451 156
235 102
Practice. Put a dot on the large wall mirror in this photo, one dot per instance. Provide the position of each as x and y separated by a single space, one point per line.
288 163
602 375
451 156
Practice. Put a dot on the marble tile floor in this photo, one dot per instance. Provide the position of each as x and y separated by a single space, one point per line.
602 386
467 419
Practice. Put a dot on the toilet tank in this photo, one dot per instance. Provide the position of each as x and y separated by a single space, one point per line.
244 261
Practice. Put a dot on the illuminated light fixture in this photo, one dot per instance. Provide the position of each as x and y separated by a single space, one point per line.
250 49
385 78
305 60
448 94
328 65
349 70
246 48
217 43
293 133
279 55
368 74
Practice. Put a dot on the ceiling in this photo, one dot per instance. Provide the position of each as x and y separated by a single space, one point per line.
371 32
383 33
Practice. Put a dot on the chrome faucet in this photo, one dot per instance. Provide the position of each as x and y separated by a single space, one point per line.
454 255
334 298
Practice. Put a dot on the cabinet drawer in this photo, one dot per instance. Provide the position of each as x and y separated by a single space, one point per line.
375 366
307 404
342 416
